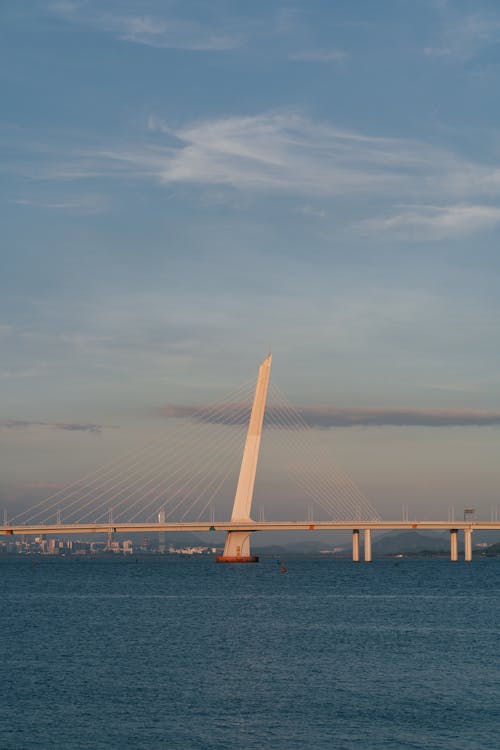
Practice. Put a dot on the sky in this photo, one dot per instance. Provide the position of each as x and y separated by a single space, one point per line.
185 186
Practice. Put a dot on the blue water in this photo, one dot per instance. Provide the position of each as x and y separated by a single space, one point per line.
189 654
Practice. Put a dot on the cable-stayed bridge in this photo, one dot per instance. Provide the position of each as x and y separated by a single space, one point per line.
161 488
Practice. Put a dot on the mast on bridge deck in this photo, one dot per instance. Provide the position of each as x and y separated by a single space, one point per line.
237 547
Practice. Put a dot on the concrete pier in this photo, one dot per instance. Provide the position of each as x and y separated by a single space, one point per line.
355 545
468 544
368 545
454 545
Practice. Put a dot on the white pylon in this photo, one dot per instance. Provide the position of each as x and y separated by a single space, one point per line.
237 547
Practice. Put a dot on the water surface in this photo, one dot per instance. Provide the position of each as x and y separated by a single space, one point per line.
184 653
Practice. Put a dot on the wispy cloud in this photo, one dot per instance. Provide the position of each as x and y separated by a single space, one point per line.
453 387
87 204
371 417
435 222
316 213
69 426
464 37
270 151
150 29
421 189
21 373
287 151
324 417
320 56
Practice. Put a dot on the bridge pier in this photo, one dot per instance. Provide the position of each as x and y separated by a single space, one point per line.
368 545
355 545
453 545
237 549
468 544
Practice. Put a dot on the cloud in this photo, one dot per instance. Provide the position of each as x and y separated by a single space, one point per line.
432 190
69 426
324 417
464 37
320 56
40 371
78 427
86 204
316 213
436 222
150 29
288 152
237 413
271 151
372 417
284 151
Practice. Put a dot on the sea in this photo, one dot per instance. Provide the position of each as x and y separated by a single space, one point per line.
184 654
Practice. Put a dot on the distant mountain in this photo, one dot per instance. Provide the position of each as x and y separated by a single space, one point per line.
411 543
405 542
306 547
492 551
415 542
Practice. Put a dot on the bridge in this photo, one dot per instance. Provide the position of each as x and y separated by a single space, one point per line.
361 516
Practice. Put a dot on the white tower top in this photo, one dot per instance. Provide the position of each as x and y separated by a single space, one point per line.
244 491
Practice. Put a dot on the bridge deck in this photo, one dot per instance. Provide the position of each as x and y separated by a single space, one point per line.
93 528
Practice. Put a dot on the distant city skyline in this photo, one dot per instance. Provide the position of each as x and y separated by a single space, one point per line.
188 185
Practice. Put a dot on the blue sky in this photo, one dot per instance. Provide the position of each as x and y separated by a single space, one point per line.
185 185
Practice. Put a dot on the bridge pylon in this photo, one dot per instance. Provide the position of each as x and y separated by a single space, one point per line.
237 547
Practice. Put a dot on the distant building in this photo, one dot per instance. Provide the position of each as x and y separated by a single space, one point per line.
96 547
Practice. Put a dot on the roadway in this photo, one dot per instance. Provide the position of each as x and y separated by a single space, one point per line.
250 525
